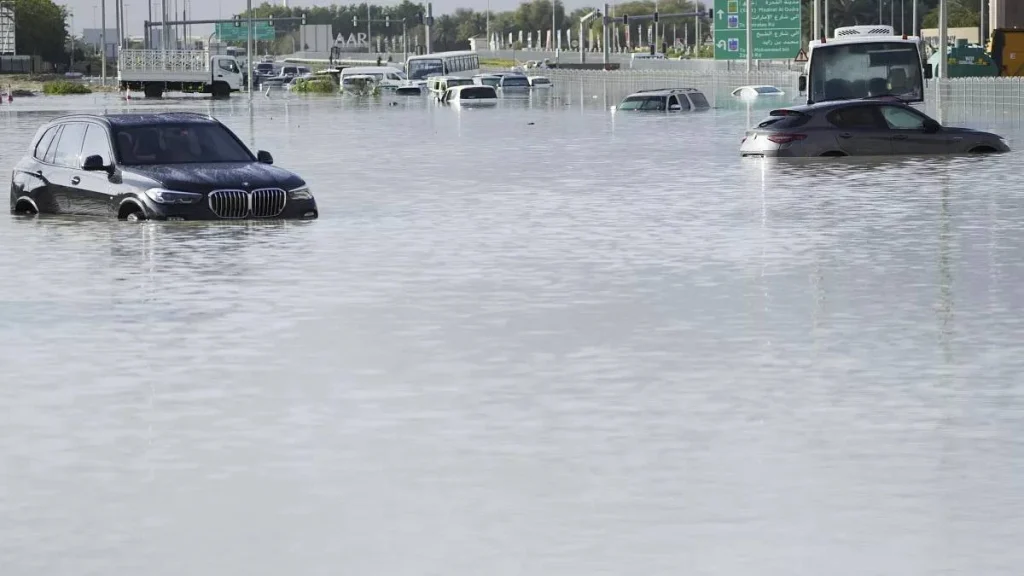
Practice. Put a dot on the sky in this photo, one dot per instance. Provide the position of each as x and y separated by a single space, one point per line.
87 12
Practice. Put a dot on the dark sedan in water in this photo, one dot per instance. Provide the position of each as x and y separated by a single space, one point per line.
170 166
864 127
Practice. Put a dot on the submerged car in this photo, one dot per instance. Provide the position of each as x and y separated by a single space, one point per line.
754 92
665 100
167 166
472 95
863 127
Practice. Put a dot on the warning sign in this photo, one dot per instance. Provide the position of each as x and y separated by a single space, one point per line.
801 56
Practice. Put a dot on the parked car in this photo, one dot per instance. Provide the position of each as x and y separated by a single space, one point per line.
284 75
539 82
471 95
863 127
755 92
665 100
165 166
514 82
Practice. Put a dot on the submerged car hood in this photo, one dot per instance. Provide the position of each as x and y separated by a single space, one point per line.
207 177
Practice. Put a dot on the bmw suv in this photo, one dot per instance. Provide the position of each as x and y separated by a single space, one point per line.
166 166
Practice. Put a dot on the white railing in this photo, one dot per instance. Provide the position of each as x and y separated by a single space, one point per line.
164 60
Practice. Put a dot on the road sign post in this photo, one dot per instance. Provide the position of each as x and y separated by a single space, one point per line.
775 29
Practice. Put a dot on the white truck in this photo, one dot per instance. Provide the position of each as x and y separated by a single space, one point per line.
156 71
865 62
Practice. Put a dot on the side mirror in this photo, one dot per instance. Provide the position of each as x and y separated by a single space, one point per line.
928 72
264 157
802 83
94 163
675 108
931 126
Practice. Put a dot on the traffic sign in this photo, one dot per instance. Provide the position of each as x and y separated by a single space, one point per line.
776 29
801 56
575 44
228 32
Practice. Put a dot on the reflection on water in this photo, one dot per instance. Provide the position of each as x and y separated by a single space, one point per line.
541 338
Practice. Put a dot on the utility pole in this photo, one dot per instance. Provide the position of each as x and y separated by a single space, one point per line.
117 23
914 18
369 35
815 19
553 26
750 36
147 41
248 48
430 20
103 41
943 39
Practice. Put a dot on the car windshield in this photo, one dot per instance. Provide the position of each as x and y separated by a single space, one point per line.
460 82
178 144
515 81
541 81
860 70
420 69
264 67
643 103
767 90
490 81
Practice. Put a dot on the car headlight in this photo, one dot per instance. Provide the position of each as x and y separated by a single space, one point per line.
300 193
161 196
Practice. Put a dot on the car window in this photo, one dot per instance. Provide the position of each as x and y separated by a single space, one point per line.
856 118
69 145
44 143
97 143
475 93
183 143
227 65
902 119
51 152
699 101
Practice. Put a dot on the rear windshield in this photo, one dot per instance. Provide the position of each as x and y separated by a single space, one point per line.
699 101
477 93
264 67
178 144
460 82
784 121
492 81
541 81
515 81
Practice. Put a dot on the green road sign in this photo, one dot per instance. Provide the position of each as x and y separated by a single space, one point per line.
228 32
776 29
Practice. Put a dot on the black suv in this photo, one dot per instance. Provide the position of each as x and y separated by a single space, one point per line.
170 166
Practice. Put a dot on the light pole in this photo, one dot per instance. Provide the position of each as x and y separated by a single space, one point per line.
103 41
553 26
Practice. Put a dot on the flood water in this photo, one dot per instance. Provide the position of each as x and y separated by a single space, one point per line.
540 339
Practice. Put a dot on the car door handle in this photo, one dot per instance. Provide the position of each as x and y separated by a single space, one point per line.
845 135
900 137
76 180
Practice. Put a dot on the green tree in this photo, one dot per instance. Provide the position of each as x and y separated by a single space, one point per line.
40 29
960 16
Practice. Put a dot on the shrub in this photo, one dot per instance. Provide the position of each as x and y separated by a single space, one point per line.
322 85
63 87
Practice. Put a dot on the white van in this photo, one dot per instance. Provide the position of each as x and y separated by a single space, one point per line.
386 76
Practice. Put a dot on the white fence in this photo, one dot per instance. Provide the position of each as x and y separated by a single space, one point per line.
617 84
961 99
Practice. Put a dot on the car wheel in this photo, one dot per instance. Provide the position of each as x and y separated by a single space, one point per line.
981 150
131 213
833 154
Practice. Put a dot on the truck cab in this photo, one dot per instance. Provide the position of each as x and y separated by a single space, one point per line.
865 62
